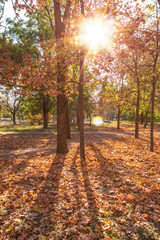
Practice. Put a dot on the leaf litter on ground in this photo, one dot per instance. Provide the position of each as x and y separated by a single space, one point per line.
112 194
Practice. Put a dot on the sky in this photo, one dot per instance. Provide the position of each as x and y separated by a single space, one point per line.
8 13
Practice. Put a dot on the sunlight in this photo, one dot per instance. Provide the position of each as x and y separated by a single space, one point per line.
97 121
95 33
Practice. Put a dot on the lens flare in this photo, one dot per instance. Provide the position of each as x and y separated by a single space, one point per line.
97 121
95 33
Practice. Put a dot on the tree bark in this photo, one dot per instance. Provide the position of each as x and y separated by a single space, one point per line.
78 118
14 118
68 121
118 117
61 69
45 111
154 80
81 106
146 119
142 118
137 110
152 113
90 117
61 124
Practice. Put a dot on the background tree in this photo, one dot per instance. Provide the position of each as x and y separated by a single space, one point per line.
12 101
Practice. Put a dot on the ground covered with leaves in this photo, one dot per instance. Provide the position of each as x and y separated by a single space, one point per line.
112 194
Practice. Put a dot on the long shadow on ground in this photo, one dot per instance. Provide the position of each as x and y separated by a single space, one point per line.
65 206
130 205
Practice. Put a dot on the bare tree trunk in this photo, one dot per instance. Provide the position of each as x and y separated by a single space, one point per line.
61 69
146 119
118 117
78 118
81 106
45 111
154 80
90 117
61 124
142 118
137 110
68 122
152 114
14 118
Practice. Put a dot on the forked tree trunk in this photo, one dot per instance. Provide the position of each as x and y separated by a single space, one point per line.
137 110
14 118
118 117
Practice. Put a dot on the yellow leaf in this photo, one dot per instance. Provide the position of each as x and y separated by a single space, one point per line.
41 237
31 194
10 228
36 208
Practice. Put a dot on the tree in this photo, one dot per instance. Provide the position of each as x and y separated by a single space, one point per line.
154 51
12 101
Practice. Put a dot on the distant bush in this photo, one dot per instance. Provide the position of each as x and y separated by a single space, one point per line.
35 119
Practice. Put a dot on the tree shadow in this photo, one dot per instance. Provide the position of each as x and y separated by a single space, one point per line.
127 199
64 207
37 219
88 215
17 180
92 205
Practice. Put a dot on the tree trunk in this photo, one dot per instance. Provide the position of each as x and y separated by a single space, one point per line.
118 117
61 69
152 113
14 118
146 119
45 111
81 103
90 117
68 121
137 110
78 118
61 124
154 80
142 118
81 106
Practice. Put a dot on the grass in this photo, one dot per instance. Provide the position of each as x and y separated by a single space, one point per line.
22 127
106 126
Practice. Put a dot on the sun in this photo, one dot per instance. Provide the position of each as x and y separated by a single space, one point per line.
95 33
97 121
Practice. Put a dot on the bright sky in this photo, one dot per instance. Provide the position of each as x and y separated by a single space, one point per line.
9 13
